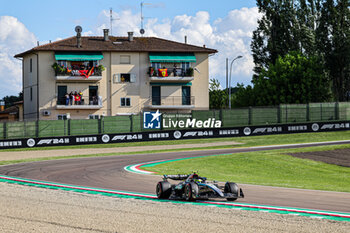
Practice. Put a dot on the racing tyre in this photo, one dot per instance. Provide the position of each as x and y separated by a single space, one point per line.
191 191
163 190
231 187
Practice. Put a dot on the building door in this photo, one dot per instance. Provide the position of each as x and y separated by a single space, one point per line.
93 92
155 95
61 92
186 95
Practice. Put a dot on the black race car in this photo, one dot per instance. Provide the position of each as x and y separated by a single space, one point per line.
194 187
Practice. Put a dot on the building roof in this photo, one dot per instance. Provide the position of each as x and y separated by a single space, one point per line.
119 44
10 110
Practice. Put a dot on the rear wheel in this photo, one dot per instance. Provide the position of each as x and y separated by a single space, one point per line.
232 188
163 189
191 191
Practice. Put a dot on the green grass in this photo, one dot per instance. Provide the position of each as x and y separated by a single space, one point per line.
246 141
272 168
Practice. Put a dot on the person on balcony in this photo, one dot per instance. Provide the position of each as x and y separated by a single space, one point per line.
71 98
76 98
81 97
175 70
67 98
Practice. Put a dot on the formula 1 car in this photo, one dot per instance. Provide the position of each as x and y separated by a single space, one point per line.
194 187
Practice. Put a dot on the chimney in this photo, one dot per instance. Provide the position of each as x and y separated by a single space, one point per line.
105 34
78 39
185 39
130 36
204 46
2 105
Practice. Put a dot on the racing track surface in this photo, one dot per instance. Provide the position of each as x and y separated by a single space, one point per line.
109 173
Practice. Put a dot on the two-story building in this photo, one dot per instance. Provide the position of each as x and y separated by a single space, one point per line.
86 77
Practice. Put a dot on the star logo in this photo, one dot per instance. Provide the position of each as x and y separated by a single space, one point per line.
156 116
152 120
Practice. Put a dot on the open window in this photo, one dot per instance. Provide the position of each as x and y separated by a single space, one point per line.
124 78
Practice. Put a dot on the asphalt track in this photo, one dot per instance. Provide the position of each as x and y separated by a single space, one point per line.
109 173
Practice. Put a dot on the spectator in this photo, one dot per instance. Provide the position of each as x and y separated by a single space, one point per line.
71 97
67 98
76 98
81 97
94 100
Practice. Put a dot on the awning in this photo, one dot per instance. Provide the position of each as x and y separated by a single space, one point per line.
80 56
172 57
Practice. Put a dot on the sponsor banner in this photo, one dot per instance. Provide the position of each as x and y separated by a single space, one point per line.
176 134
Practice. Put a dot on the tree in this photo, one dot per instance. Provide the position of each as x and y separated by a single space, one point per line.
217 97
285 26
10 100
333 40
293 78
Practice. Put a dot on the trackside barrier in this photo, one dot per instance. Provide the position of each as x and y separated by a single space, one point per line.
176 134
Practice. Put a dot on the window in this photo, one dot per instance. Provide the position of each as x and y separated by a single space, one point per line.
124 78
31 66
31 94
156 65
62 117
92 116
62 63
125 102
124 59
185 66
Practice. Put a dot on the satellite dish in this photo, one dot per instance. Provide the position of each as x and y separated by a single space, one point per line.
142 31
78 29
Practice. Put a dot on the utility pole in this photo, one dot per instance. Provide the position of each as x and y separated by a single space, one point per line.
229 93
227 78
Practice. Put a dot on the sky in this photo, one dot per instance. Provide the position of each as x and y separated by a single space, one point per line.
224 25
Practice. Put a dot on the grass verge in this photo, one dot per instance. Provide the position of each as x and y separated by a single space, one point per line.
272 168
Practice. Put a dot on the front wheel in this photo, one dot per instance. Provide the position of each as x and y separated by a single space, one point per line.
191 191
163 190
232 188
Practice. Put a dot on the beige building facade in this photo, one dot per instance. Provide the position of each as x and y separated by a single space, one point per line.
130 82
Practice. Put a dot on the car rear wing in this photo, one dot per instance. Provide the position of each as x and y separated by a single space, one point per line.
176 177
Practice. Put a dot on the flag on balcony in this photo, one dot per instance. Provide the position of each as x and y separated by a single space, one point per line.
86 73
163 72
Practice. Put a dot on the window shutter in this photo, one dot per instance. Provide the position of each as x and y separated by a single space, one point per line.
116 78
133 78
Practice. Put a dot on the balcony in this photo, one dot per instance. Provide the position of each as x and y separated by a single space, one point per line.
84 103
170 75
78 73
170 102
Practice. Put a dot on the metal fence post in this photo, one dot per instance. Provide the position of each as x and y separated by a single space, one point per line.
337 114
141 120
5 130
99 126
321 111
250 115
24 129
307 112
279 114
65 127
131 123
37 128
220 116
68 127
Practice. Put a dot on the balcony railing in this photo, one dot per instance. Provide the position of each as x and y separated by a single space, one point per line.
85 102
171 74
171 102
78 73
